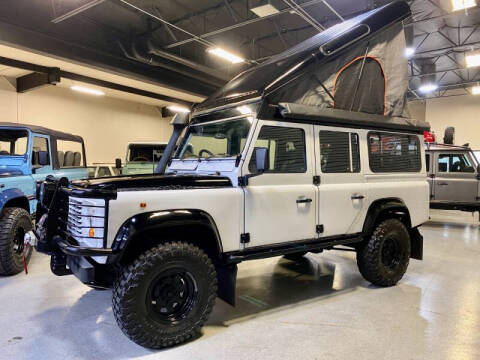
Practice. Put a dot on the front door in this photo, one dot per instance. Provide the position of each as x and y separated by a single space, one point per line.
455 178
342 189
280 204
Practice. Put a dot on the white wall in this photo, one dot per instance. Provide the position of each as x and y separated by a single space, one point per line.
106 124
462 112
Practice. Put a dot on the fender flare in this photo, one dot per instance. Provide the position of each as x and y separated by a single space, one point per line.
12 194
158 220
378 207
397 206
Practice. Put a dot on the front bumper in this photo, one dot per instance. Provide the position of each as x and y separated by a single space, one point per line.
68 258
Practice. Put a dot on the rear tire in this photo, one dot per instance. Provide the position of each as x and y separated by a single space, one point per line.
384 258
165 296
14 224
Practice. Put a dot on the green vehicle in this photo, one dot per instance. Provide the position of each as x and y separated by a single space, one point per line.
142 157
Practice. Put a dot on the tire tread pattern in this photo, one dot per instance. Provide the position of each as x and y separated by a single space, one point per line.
369 256
123 299
8 218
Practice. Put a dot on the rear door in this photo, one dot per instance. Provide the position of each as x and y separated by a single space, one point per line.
455 179
342 189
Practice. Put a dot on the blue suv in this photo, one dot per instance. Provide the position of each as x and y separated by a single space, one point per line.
28 154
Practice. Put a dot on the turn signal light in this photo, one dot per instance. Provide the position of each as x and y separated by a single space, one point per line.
91 232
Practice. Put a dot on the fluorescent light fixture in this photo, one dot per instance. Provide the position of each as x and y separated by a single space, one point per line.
472 59
224 54
428 88
244 110
178 109
87 90
463 4
475 90
264 10
409 51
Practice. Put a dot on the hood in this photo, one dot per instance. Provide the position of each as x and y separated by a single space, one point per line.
110 185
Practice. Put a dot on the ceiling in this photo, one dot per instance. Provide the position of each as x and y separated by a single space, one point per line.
164 42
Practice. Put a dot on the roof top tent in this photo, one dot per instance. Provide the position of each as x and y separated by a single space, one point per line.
354 68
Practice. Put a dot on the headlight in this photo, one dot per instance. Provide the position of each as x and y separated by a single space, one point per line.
86 221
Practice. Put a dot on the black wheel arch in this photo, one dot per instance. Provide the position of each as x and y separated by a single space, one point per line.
145 230
386 208
382 209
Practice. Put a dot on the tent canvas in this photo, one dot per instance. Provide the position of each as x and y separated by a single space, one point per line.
357 65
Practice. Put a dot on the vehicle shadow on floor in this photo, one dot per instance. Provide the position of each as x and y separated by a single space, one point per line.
288 284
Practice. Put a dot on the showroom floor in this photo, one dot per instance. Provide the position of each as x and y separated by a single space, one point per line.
318 309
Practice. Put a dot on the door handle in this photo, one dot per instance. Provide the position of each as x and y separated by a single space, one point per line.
302 201
357 197
442 183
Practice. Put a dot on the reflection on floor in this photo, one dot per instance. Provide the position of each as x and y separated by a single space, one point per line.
319 308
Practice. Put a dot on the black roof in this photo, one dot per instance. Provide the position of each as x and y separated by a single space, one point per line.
286 65
42 130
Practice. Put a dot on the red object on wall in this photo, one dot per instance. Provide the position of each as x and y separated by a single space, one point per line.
428 137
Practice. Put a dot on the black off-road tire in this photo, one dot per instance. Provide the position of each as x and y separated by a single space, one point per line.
389 241
139 317
14 223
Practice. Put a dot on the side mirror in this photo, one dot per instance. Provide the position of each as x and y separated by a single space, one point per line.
118 163
43 158
261 158
478 171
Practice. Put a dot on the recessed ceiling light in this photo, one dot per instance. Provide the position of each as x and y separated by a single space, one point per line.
428 88
475 90
409 51
264 10
224 54
463 4
472 59
87 90
178 109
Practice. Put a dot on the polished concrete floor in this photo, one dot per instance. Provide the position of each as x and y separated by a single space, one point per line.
320 308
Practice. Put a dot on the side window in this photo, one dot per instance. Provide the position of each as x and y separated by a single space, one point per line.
394 152
286 150
454 163
70 153
339 152
427 161
39 147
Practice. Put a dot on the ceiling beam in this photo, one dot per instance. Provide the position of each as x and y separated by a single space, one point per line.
77 11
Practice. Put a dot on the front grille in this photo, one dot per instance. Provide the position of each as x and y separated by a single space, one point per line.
86 221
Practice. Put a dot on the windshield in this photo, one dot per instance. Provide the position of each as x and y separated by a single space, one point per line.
13 142
217 139
145 153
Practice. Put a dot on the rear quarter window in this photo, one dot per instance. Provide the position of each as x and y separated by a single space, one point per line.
390 152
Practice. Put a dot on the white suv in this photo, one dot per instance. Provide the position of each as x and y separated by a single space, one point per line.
251 178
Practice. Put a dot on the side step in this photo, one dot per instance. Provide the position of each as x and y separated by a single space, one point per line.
261 252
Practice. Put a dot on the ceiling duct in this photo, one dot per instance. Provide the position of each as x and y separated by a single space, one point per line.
139 51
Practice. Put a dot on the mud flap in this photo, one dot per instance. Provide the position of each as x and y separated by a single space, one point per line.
416 244
227 279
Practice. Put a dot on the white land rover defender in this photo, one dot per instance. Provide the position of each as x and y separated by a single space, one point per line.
305 152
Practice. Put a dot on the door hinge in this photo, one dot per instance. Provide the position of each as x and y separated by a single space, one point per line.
316 180
244 238
319 229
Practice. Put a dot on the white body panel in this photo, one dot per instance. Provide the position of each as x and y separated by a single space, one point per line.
225 205
272 214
